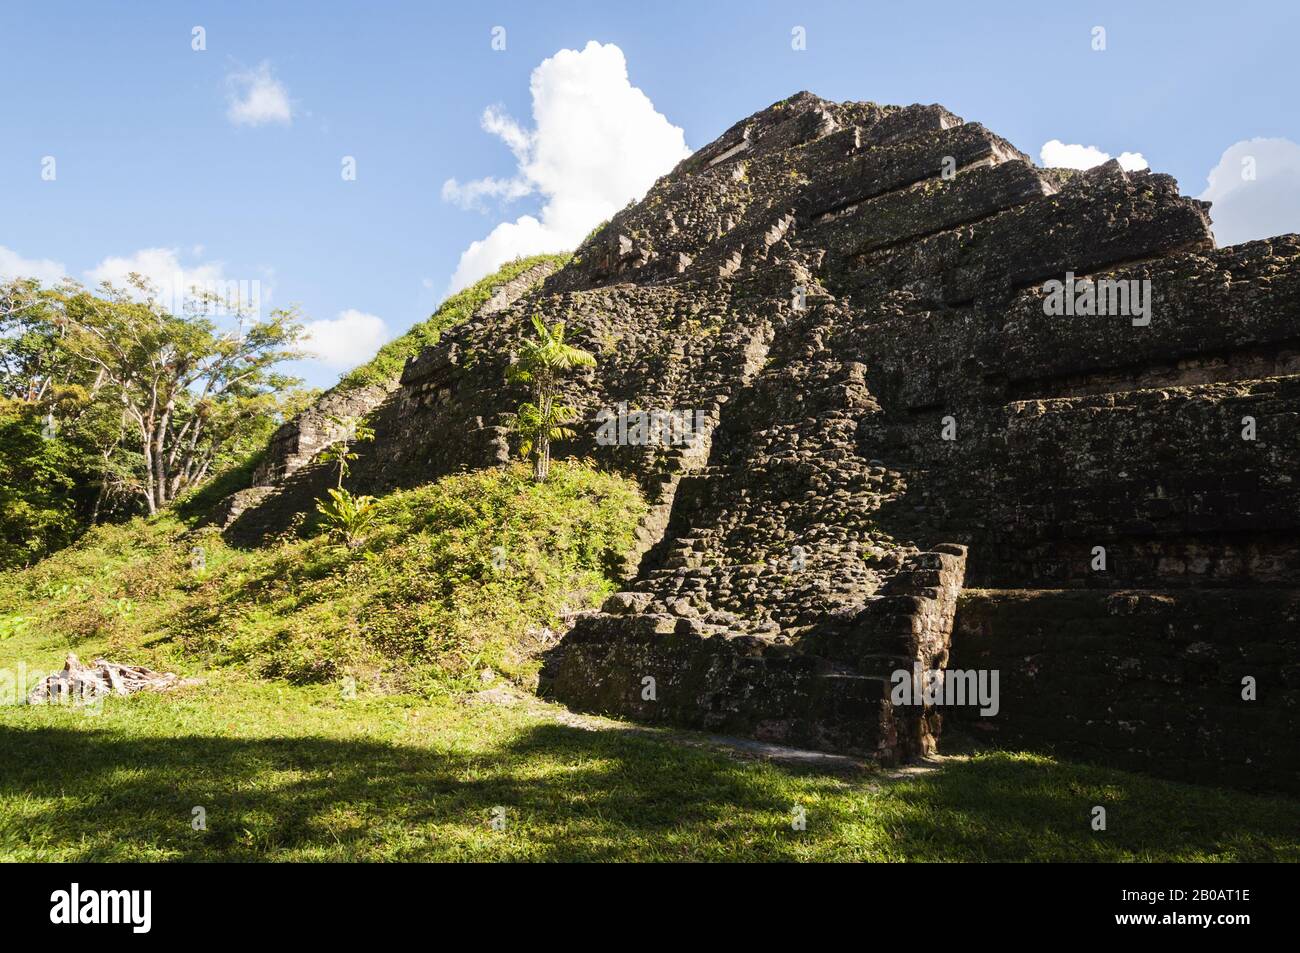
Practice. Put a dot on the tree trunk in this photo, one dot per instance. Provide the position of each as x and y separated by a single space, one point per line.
146 447
546 398
99 500
160 468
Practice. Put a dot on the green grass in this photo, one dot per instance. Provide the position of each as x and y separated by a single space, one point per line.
289 772
288 764
451 581
386 366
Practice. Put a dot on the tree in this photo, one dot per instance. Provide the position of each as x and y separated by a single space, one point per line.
39 476
110 405
340 451
543 359
45 389
32 359
186 392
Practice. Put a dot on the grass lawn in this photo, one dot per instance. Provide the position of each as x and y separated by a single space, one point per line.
288 772
285 767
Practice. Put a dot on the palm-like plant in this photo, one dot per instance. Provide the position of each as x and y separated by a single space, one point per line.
543 359
347 517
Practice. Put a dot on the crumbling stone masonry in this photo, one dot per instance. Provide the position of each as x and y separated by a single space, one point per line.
277 486
854 297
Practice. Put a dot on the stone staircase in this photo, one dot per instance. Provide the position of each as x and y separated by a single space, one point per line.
832 689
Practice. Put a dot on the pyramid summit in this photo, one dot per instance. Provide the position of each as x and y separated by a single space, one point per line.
948 411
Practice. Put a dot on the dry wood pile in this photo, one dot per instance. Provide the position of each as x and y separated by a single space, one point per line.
88 682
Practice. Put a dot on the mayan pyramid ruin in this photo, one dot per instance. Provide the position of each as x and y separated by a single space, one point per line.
947 410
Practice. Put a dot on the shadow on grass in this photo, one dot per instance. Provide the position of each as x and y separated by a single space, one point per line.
567 794
1014 806
572 794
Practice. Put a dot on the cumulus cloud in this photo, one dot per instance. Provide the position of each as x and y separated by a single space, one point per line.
345 341
161 267
172 276
471 194
256 97
44 270
597 142
1056 154
1255 188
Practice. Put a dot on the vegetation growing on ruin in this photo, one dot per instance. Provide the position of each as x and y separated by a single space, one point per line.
386 366
452 580
543 360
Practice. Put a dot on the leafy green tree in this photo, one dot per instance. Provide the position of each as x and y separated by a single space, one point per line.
186 391
32 359
543 360
40 506
110 405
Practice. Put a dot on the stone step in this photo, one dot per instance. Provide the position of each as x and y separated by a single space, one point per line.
1068 231
1267 559
876 171
932 207
740 685
1230 314
1161 478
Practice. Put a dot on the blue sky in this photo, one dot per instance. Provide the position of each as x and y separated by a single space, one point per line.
148 155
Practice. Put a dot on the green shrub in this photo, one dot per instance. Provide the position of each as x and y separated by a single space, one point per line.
347 517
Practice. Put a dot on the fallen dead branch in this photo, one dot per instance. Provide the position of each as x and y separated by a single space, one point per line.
87 682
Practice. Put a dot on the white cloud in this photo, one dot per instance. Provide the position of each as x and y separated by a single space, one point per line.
161 267
1261 206
1056 154
597 143
345 341
14 265
174 282
471 194
256 97
178 287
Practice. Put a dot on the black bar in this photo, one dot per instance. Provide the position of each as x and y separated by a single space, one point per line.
331 901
